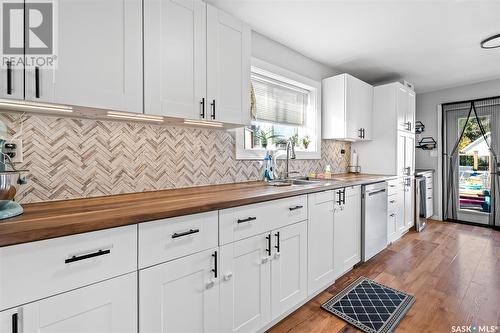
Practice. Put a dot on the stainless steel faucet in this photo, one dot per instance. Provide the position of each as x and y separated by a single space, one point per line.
290 155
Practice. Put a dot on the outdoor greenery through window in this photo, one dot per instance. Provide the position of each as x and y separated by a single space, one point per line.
281 109
474 164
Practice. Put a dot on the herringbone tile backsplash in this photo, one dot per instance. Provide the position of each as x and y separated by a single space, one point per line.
77 158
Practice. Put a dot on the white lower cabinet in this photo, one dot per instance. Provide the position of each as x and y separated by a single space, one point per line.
289 268
320 241
347 229
246 284
263 277
181 295
105 307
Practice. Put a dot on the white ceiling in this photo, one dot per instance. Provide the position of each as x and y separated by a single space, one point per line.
433 44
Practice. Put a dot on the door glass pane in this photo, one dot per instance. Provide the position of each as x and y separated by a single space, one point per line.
474 165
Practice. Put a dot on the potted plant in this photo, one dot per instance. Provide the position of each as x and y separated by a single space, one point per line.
264 137
306 141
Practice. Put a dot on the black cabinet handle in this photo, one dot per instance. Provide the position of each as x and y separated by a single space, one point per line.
360 135
215 270
339 192
213 109
87 256
202 103
392 215
363 133
343 194
277 247
37 82
15 318
9 78
296 207
392 201
185 233
248 219
268 250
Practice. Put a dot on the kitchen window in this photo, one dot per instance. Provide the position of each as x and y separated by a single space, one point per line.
285 106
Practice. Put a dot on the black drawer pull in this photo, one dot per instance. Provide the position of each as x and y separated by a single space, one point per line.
87 256
9 78
213 109
215 269
392 201
248 219
296 207
185 233
392 215
14 323
277 246
268 249
37 82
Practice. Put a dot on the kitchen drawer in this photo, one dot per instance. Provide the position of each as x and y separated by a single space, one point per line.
32 271
392 204
168 239
246 221
321 197
392 186
429 207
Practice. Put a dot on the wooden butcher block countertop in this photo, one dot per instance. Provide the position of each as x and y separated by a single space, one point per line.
62 218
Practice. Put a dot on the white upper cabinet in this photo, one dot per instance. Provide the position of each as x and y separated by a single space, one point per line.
405 108
347 108
196 62
228 71
175 58
99 57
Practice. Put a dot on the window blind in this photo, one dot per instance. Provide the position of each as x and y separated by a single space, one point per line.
279 102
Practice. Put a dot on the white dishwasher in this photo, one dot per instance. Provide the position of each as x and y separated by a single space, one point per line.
374 219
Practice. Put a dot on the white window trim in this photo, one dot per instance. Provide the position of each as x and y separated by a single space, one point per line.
306 83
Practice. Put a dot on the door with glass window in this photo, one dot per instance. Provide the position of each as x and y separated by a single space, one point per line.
470 169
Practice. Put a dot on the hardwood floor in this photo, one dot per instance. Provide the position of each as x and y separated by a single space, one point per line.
453 270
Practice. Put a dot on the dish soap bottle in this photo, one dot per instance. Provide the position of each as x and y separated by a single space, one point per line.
328 172
268 172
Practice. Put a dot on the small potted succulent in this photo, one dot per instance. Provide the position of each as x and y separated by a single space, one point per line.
305 142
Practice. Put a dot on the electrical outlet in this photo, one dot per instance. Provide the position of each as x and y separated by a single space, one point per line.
14 148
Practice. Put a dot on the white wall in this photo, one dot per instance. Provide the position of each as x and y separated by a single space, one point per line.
427 104
278 54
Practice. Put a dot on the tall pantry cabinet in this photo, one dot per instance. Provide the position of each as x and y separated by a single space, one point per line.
393 143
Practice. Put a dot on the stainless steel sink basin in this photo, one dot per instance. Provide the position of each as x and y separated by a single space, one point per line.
294 181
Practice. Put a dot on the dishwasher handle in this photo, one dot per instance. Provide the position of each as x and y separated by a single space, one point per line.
376 192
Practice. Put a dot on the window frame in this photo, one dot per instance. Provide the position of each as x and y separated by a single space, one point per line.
287 76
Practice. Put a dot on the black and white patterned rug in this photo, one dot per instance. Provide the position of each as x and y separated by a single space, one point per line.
370 306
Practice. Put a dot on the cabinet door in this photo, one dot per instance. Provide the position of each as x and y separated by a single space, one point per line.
288 268
99 57
359 108
410 154
228 68
392 227
410 110
402 107
320 242
245 284
11 71
180 296
409 203
105 307
400 157
347 231
400 212
9 320
175 58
